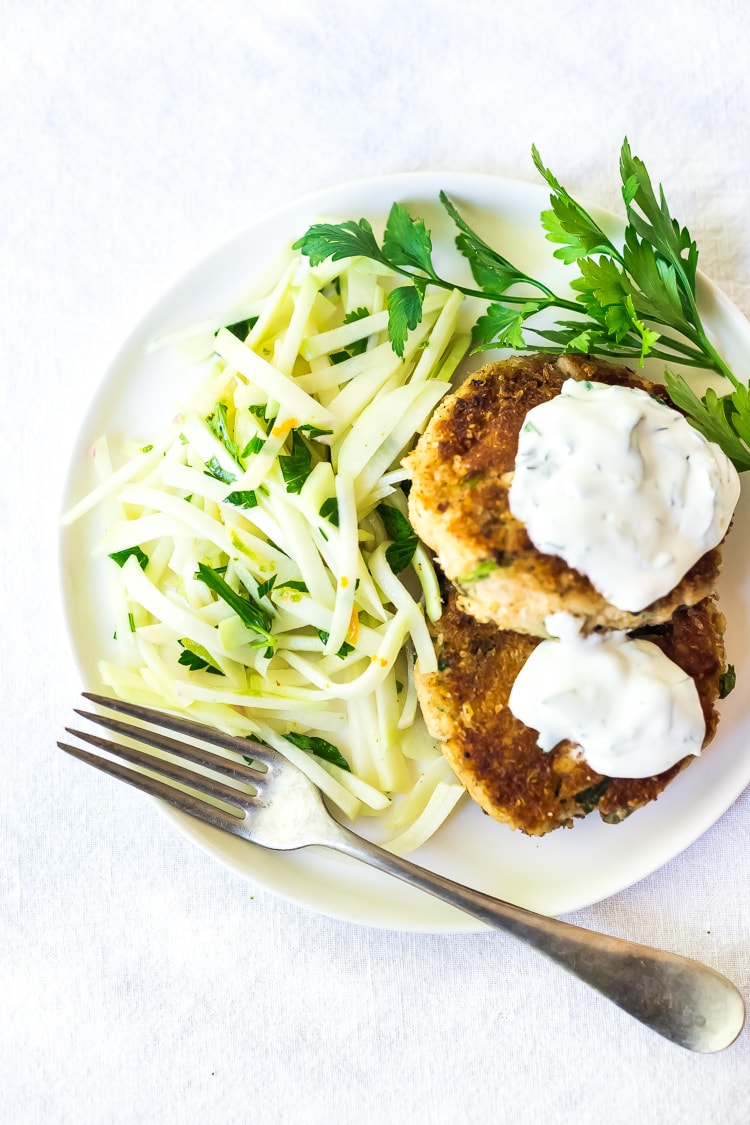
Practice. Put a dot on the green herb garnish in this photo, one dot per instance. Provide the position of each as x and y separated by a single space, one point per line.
397 527
589 798
242 499
345 649
724 419
265 587
329 510
258 410
249 611
241 328
215 469
727 681
359 345
255 445
630 301
321 748
313 431
471 480
293 584
480 572
297 465
121 557
197 659
219 426
406 243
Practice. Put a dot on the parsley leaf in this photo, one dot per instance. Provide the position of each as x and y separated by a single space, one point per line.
355 348
255 445
397 527
241 328
724 420
316 431
654 287
215 469
568 223
358 346
492 272
121 557
266 587
297 465
218 424
245 498
404 314
293 584
501 326
320 747
250 613
406 241
338 241
651 218
196 658
345 649
602 284
329 510
356 314
727 681
258 410
407 245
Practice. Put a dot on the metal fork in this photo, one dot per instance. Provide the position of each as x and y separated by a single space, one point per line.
686 1002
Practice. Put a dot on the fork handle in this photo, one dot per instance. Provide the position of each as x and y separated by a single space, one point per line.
686 1002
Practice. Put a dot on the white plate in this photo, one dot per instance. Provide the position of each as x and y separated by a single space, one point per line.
554 875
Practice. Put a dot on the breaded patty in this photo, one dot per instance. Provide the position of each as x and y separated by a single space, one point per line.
461 472
495 756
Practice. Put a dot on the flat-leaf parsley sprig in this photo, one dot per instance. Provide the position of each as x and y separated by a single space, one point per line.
406 249
629 302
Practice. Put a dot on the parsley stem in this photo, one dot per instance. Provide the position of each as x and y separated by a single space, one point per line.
699 352
704 351
698 334
697 360
554 301
715 360
694 355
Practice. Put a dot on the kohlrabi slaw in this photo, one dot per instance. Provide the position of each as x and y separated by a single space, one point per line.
266 578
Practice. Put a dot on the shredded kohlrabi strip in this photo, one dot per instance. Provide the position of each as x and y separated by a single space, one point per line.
254 583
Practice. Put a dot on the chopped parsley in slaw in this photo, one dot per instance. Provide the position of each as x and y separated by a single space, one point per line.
267 578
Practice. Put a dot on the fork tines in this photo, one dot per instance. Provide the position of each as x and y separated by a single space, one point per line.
202 782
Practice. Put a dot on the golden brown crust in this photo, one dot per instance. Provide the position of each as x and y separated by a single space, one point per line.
496 757
461 472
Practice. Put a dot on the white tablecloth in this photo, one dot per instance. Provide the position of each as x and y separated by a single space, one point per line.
140 980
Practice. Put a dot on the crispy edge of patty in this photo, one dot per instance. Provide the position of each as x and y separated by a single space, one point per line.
495 756
461 471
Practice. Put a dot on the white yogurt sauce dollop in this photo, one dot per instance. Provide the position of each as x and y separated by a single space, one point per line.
622 488
632 711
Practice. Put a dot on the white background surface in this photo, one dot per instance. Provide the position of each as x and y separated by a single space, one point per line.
140 981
